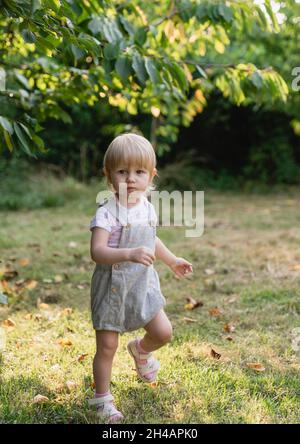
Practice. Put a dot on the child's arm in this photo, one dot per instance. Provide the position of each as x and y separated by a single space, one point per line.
180 266
102 254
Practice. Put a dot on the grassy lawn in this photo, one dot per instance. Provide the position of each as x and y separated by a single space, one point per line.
246 267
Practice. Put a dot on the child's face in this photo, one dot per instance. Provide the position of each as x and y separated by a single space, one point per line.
135 178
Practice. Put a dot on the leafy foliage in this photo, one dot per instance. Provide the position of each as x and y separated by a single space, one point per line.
137 56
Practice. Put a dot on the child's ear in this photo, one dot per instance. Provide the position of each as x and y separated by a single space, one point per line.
154 172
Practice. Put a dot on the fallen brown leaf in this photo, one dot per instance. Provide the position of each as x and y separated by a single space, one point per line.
187 319
64 342
43 306
9 324
39 399
66 311
9 274
30 284
70 385
214 354
192 303
229 328
256 366
82 357
24 261
215 312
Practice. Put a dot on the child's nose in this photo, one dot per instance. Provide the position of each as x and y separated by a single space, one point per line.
130 177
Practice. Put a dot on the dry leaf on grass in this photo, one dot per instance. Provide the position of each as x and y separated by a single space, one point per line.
215 312
256 366
9 324
8 273
214 354
229 328
192 303
66 311
64 342
70 386
209 271
24 261
187 319
40 399
82 357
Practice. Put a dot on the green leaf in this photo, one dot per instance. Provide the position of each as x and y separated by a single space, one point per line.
123 67
28 36
270 11
77 52
95 25
201 71
151 70
126 25
139 68
111 50
35 4
40 143
23 80
53 4
257 80
225 12
179 76
6 125
201 12
8 141
140 36
23 140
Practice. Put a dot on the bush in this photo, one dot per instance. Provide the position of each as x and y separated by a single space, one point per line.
23 186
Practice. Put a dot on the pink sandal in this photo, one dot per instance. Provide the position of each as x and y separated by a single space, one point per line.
106 409
152 365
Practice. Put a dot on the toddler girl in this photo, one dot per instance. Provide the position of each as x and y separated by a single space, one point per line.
125 287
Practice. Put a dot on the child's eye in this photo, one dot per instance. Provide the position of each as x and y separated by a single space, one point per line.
140 171
121 171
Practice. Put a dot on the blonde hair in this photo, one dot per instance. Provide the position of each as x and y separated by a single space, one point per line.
129 149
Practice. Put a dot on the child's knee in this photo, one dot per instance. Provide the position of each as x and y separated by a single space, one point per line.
108 343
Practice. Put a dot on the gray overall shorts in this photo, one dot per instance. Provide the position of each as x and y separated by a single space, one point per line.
125 296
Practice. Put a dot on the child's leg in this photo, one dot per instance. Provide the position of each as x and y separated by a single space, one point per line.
107 344
158 333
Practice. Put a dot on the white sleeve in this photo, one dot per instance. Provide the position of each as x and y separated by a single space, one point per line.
101 220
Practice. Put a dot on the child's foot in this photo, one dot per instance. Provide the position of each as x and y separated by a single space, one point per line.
106 409
145 364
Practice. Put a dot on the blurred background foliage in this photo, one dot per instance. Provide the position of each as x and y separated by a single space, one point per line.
208 82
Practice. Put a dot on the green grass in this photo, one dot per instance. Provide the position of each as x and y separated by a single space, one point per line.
251 242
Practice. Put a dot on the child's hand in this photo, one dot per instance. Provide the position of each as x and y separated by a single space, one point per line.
142 255
181 267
